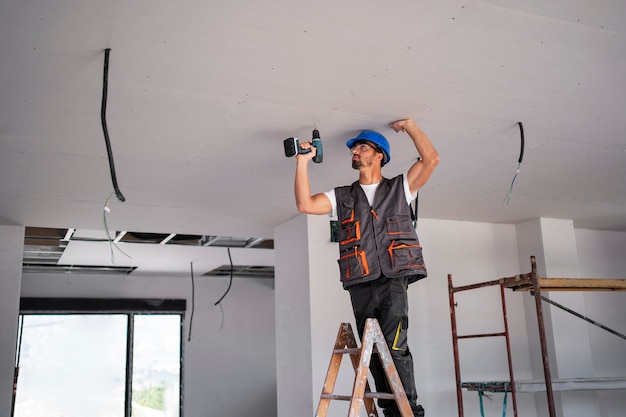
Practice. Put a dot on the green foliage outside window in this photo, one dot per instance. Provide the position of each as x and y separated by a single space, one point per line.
153 397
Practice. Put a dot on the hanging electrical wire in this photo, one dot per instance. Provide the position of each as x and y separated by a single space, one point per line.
222 321
112 243
105 84
230 283
193 301
507 199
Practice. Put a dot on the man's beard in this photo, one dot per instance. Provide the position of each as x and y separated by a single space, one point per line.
358 163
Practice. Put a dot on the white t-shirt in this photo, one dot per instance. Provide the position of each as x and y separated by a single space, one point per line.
370 190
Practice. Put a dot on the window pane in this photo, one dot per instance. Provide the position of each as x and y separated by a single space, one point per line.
72 366
156 366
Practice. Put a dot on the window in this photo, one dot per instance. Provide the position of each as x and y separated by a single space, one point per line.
102 358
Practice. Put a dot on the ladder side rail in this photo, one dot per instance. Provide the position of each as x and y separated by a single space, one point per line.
389 366
455 347
542 338
368 399
362 370
355 354
508 351
345 338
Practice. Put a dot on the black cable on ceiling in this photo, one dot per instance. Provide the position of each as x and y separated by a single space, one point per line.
230 283
103 110
507 199
521 151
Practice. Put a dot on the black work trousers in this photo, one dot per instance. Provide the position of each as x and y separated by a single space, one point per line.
385 299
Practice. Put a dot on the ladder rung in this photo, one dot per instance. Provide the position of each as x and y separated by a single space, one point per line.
471 336
380 395
351 351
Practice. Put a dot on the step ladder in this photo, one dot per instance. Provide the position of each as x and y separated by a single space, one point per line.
373 342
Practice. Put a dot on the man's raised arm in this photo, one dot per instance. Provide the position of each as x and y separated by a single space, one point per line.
305 202
421 170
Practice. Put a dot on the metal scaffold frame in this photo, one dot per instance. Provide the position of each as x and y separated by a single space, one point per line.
533 283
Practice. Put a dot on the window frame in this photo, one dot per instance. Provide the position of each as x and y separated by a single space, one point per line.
103 306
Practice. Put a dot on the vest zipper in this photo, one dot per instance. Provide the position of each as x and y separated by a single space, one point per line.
375 239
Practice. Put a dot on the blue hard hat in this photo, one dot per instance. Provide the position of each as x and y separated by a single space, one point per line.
377 139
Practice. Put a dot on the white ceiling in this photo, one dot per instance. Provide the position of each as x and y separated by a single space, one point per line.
201 95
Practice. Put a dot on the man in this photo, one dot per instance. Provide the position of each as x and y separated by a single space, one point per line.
379 252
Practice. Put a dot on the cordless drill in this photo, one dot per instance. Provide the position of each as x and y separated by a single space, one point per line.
292 147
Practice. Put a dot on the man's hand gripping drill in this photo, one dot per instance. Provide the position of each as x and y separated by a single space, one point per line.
314 148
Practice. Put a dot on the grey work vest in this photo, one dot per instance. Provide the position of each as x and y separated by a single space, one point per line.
378 239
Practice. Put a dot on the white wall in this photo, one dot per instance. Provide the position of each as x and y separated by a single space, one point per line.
602 254
471 253
229 364
293 318
330 306
11 250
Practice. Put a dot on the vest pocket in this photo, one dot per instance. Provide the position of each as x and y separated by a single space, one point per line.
399 227
349 227
349 233
405 255
353 265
